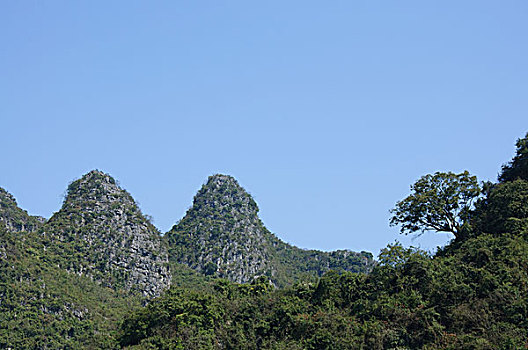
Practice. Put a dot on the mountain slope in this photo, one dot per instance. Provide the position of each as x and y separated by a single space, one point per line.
222 235
44 307
101 232
14 218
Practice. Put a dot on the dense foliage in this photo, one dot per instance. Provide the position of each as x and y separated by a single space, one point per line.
474 297
517 168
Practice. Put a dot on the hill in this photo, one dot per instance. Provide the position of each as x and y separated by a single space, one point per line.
101 232
221 235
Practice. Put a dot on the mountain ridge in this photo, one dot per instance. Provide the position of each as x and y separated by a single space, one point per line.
221 235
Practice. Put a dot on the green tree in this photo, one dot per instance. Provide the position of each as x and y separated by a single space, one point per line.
440 202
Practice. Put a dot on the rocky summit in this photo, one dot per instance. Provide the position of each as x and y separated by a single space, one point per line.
222 235
102 230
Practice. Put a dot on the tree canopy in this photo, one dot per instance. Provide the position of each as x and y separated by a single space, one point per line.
440 202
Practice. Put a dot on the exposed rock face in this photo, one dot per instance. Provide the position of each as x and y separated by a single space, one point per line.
14 218
102 230
222 235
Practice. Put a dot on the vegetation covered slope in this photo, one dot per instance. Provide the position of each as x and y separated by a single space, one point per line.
221 235
473 298
472 294
43 306
68 282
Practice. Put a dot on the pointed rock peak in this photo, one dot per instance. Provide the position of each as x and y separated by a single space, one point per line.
221 233
95 178
97 174
97 198
222 191
95 186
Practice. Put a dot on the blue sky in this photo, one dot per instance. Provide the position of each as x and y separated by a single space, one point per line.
325 112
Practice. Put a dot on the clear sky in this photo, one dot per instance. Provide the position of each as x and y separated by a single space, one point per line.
326 112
